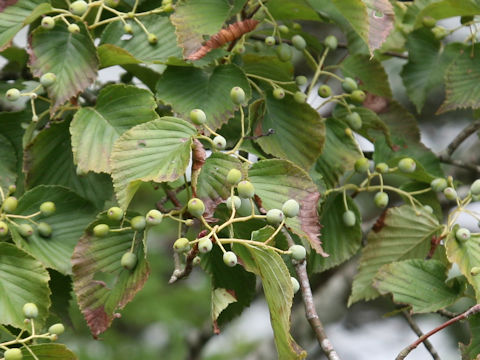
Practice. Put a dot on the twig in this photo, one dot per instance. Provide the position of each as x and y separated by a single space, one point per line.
180 274
448 160
404 353
413 325
446 313
461 137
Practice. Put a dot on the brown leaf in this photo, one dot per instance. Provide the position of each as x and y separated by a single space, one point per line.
382 19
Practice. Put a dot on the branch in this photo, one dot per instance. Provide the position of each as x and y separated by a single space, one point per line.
404 353
419 333
461 137
448 160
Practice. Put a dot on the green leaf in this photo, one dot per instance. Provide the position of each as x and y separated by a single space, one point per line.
400 233
292 10
471 351
101 284
278 291
186 89
48 160
71 57
221 298
116 49
48 352
146 75
270 67
155 151
14 15
22 279
419 283
277 181
61 287
448 8
72 215
462 82
299 131
340 241
94 130
8 164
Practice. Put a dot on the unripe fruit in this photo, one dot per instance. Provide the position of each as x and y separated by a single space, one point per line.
237 202
205 245
358 96
48 22
25 230
462 234
237 95
115 213
181 245
234 176
428 209
245 208
296 26
466 19
324 91
354 120
331 42
240 49
230 259
47 208
138 223
198 117
128 28
283 29
301 80
428 22
10 204
299 42
112 3
269 41
196 260
12 189
438 184
13 354
349 84
362 165
295 284
57 329
407 165
73 28
101 230
450 193
278 93
382 168
297 252
475 270
381 199
44 229
12 94
129 260
53 337
300 97
196 207
245 189
290 208
30 310
284 52
189 222
475 188
78 7
220 142
274 216
48 79
349 218
439 32
3 229
152 39
154 217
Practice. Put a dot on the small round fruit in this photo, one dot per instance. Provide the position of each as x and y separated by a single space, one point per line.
269 41
152 39
358 96
295 284
48 22
331 42
462 234
278 93
440 32
73 28
181 245
284 52
237 95
300 97
274 216
381 199
230 259
10 204
301 80
101 230
198 117
475 188
138 223
407 165
12 94
428 209
220 142
362 165
324 91
127 28
25 230
296 26
57 329
3 229
13 354
189 222
245 189
450 193
196 260
237 202
205 245
349 218
429 22
115 213
299 42
112 3
438 184
234 176
78 7
154 217
354 120
283 29
382 168
47 208
129 260
245 208
290 208
48 79
44 229
11 189
30 310
466 19
196 207
297 252
240 49
349 84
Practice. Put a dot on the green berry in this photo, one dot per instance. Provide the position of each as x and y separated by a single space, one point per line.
301 80
230 259
115 213
196 260
236 201
12 94
129 260
234 176
138 223
127 28
245 189
290 208
462 234
475 270
295 284
466 19
331 42
358 96
475 188
196 207
407 165
299 42
324 91
101 230
297 252
152 39
349 84
189 222
300 97
30 310
154 217
198 117
57 329
381 199
78 7
48 79
382 168
11 189
73 28
278 93
220 142
438 184
428 209
440 32
354 120
10 204
362 165
47 208
44 229
205 245
181 245
269 41
274 216
3 229
245 208
296 26
237 95
240 49
450 193
349 218
112 3
48 22
428 22
284 52
283 29
13 354
25 230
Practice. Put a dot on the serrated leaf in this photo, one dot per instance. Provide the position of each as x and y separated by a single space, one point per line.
191 88
292 10
270 67
72 57
448 8
48 352
22 279
419 283
277 181
72 215
8 164
221 298
381 19
94 130
471 351
400 233
158 150
61 287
